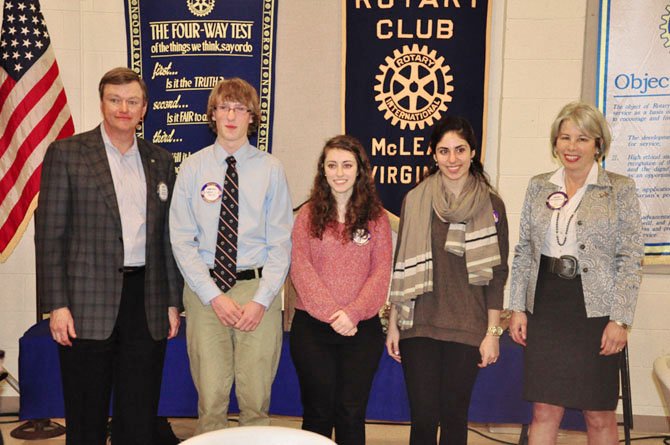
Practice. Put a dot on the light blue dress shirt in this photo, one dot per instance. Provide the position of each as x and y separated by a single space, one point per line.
130 186
265 219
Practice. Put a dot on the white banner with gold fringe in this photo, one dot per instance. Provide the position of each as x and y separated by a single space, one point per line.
634 94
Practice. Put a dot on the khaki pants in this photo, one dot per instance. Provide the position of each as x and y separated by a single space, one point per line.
220 355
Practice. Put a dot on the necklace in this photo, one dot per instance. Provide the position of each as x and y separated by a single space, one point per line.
567 226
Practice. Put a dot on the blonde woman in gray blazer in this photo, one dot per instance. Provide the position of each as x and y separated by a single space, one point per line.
575 279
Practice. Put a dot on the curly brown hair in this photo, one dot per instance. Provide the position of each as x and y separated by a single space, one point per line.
363 206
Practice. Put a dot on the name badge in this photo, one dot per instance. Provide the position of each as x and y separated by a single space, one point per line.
162 191
211 192
361 237
557 200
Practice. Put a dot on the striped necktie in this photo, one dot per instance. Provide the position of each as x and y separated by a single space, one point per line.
225 261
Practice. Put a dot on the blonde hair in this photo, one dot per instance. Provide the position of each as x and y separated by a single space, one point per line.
589 120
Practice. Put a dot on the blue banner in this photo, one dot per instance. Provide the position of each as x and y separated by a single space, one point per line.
408 62
182 48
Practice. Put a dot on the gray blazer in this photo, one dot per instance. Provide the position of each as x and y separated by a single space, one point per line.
78 238
609 233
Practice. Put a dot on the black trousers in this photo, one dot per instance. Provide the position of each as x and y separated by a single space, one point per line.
130 361
439 376
335 375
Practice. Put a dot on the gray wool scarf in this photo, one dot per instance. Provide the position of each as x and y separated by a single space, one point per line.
472 232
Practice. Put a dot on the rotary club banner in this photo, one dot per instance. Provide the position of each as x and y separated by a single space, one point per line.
634 94
182 48
407 64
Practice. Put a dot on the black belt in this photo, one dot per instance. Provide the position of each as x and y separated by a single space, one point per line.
242 275
566 267
128 270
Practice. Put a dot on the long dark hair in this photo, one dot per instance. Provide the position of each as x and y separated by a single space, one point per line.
463 129
364 204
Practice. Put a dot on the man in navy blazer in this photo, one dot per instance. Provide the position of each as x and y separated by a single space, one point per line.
105 270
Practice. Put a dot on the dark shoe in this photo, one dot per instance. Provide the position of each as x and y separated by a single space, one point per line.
164 433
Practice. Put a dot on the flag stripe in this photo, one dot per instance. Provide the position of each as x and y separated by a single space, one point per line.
31 143
21 89
26 137
23 108
68 128
9 197
6 87
17 214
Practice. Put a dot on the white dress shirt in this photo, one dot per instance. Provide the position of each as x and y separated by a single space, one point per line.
570 247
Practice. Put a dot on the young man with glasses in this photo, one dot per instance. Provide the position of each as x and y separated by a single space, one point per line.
230 226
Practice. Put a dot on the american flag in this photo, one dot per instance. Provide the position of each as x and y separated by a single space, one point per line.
33 113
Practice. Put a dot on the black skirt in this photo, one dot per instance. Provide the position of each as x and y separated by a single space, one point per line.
562 362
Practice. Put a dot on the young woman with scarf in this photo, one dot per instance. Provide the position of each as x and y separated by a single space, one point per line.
447 287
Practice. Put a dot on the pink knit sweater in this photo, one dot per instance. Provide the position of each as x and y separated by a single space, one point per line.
329 275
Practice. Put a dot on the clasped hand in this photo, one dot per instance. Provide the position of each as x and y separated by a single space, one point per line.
342 324
245 318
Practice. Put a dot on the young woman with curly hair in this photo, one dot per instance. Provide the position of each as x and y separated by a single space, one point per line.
340 267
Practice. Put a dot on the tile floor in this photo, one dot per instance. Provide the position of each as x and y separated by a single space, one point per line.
377 434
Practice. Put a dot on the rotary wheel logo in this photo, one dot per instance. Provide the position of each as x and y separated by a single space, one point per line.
200 8
413 87
665 35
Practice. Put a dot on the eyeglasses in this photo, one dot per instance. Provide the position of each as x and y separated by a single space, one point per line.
132 103
235 108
